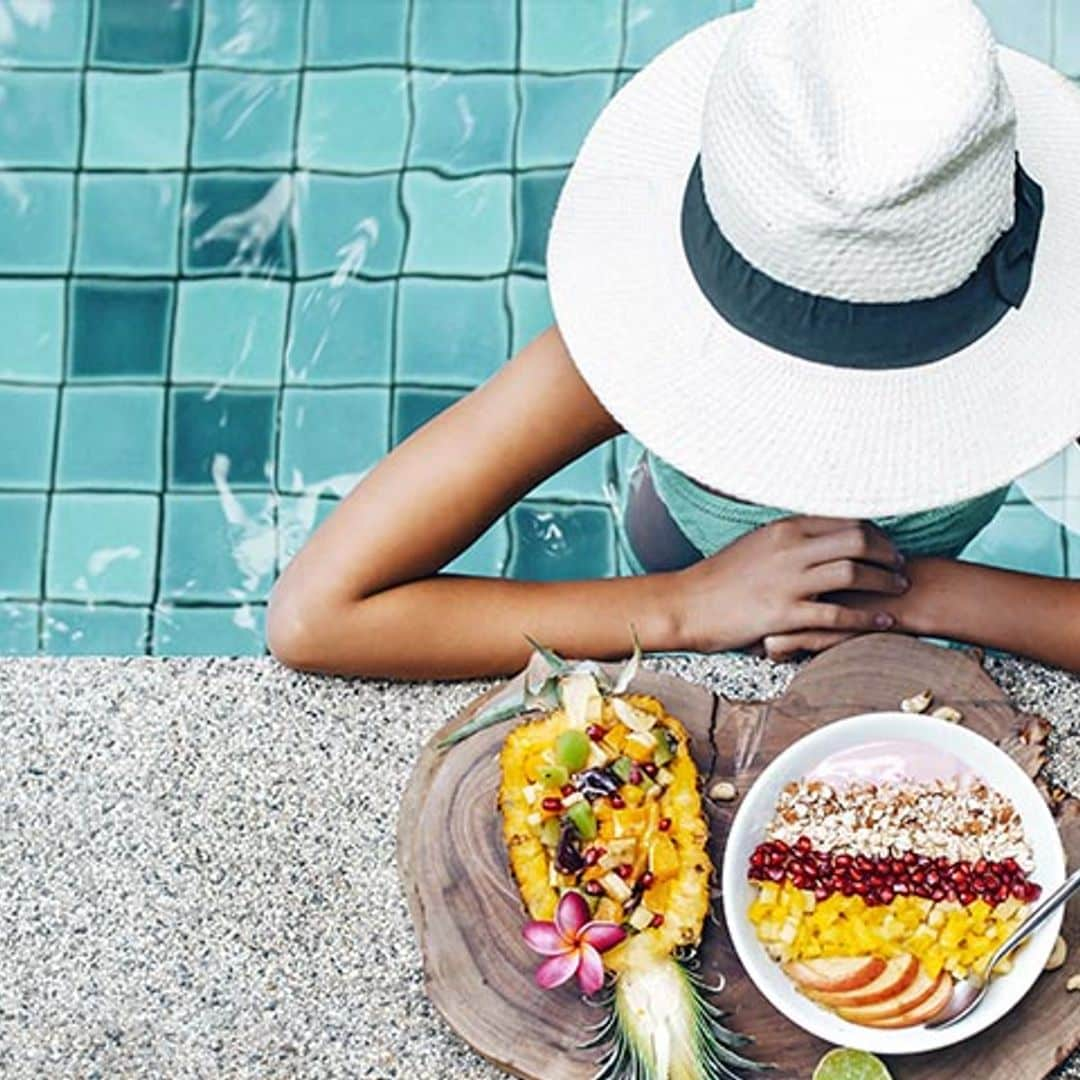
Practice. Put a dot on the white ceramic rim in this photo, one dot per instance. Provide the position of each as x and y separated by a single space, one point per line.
996 768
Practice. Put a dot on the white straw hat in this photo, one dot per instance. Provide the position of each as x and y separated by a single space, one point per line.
824 255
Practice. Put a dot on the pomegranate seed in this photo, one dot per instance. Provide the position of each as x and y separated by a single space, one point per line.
800 880
775 873
803 843
992 883
861 888
755 873
595 732
758 858
848 889
876 881
567 789
650 768
978 884
981 866
966 897
821 893
1010 865
933 878
951 893
1032 891
624 870
898 867
842 861
664 824
923 891
958 877
918 877
552 804
885 895
657 921
594 888
1019 890
941 862
779 845
618 802
901 888
937 894
635 775
1002 894
647 880
864 864
592 856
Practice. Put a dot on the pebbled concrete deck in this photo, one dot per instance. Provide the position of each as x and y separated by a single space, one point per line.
197 865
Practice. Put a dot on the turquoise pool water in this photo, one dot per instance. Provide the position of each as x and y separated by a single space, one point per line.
249 245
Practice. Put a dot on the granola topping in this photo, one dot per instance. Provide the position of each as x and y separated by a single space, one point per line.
961 819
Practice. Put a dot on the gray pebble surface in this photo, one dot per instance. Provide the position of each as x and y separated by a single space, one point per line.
197 868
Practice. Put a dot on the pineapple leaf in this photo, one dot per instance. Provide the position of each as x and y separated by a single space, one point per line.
482 720
630 669
558 664
663 1024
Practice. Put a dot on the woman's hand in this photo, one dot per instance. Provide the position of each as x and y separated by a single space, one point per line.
768 586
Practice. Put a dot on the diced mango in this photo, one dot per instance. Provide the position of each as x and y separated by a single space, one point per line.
663 857
945 936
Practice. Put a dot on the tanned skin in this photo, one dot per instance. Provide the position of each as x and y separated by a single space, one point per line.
365 595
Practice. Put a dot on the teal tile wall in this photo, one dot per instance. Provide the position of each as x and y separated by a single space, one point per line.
249 245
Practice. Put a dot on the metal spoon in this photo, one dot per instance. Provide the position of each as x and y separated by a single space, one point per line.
972 990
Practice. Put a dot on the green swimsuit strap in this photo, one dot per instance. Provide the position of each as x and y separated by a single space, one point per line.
710 521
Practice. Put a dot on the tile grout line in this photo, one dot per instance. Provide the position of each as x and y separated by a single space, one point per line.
273 275
167 404
332 69
272 171
611 464
65 347
395 307
283 368
507 518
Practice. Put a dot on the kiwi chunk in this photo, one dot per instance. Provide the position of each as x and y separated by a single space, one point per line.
553 776
583 819
572 749
665 751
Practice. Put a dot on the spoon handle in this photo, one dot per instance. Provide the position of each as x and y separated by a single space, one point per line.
1038 916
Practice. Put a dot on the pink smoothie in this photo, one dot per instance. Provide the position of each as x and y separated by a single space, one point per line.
887 761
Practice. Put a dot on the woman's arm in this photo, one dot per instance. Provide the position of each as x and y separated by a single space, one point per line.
1034 616
364 596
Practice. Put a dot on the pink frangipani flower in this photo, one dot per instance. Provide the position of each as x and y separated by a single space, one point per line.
572 945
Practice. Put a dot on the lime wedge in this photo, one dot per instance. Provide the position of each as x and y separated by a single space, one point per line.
842 1064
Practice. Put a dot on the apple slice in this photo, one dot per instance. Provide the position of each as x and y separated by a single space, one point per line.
919 990
925 1010
835 974
900 972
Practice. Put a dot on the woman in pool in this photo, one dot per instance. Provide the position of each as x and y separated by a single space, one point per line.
848 292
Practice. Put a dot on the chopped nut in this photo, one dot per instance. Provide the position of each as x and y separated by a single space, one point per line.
1057 955
947 712
918 703
723 791
1073 983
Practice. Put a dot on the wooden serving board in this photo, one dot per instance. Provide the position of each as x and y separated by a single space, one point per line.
468 915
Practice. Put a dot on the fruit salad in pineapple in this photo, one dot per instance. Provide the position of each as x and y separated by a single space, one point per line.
607 842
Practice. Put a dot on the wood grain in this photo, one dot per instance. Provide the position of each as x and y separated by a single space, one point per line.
468 915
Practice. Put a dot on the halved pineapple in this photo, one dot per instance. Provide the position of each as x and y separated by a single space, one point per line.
613 812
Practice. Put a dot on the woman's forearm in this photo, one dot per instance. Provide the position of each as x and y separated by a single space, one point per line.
1037 617
458 627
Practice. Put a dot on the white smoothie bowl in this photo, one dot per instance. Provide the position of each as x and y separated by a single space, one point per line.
748 830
